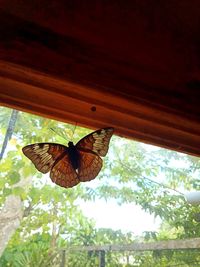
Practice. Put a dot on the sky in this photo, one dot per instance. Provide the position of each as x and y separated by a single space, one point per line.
126 217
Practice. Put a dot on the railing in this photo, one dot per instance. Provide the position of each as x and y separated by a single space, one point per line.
193 243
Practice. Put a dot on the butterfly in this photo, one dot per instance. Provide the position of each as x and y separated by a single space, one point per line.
72 164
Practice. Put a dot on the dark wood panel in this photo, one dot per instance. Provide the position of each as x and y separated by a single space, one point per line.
142 56
45 95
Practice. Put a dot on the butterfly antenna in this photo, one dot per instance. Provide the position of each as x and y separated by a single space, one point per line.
74 131
57 133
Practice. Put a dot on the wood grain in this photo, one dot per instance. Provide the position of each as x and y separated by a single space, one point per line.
134 67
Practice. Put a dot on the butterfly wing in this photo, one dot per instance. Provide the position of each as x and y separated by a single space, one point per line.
44 155
97 141
90 166
63 173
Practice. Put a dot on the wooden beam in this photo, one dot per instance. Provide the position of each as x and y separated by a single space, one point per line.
32 91
193 243
143 80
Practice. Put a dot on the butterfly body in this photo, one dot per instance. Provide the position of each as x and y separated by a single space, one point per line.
69 165
74 156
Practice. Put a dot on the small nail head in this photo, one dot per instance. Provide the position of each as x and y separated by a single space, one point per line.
93 108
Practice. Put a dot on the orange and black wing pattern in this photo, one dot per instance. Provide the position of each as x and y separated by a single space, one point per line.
90 166
44 155
59 159
97 141
63 173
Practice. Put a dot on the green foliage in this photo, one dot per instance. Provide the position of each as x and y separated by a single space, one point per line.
132 173
33 253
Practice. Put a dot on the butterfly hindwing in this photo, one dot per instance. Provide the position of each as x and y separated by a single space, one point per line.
97 141
63 174
90 166
43 155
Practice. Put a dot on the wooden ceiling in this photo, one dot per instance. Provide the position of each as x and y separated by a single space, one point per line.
133 65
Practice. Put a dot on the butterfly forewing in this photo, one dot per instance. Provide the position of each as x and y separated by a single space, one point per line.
90 166
44 155
97 141
63 174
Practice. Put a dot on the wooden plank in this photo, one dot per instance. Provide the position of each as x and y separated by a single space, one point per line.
92 43
143 80
193 243
42 94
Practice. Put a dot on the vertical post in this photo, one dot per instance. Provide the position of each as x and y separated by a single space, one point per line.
62 263
102 262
